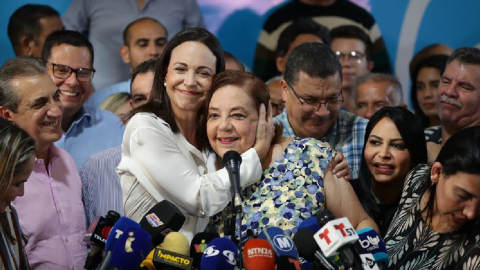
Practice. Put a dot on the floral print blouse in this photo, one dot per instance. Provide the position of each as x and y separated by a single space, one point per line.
412 244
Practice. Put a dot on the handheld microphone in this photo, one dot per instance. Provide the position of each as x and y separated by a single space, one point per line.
282 244
118 230
308 248
164 259
199 243
288 263
162 219
97 237
258 255
338 235
175 242
372 243
221 254
310 223
131 249
231 161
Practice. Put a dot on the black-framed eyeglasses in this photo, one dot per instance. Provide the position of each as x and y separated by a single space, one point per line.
353 57
63 72
333 104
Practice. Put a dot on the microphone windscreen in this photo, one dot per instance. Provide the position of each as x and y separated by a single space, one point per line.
161 219
118 229
372 243
310 223
175 242
221 254
258 255
288 263
305 243
199 243
131 249
231 156
282 244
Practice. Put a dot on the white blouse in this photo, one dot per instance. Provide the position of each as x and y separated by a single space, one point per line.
178 171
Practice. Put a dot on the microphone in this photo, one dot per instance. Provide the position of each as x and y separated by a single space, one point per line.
172 253
282 244
118 230
338 235
308 248
231 161
131 249
221 254
372 243
199 243
287 263
161 219
258 255
310 223
97 235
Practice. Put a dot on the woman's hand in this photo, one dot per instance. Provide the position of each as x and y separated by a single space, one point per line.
265 131
339 166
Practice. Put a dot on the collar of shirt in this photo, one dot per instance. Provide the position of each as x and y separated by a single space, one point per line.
52 153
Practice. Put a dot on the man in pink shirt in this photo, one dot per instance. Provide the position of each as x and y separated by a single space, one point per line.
51 212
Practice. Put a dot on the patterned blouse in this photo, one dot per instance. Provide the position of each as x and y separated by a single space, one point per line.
411 244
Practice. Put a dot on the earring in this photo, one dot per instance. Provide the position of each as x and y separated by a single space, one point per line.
165 84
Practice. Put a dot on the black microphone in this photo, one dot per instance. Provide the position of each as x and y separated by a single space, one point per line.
162 219
97 237
338 235
231 161
308 248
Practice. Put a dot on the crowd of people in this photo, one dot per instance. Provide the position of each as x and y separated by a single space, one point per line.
319 123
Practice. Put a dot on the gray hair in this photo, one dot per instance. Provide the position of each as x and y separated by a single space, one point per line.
465 55
23 66
275 79
379 78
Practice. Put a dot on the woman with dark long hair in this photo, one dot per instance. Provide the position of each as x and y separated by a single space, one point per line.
394 144
436 225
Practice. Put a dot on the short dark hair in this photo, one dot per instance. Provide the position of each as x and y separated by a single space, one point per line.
354 32
229 56
411 130
465 55
460 154
25 21
68 37
438 62
298 27
126 31
159 102
24 66
145 67
317 60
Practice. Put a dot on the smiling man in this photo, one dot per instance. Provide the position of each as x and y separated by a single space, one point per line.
87 131
51 212
312 91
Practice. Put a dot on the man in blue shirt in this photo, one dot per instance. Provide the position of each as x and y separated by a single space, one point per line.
86 130
100 182
312 91
143 39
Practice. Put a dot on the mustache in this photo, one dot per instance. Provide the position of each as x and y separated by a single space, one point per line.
444 98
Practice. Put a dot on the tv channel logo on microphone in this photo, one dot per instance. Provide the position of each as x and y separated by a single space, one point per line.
282 243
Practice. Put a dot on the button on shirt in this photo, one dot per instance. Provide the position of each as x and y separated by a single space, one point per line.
52 216
93 131
345 135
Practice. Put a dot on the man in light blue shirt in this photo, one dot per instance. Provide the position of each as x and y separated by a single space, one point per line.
86 130
143 39
312 91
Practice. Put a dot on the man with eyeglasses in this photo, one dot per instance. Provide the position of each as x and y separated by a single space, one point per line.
312 91
86 130
353 48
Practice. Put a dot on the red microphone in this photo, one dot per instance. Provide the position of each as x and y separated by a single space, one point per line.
258 255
